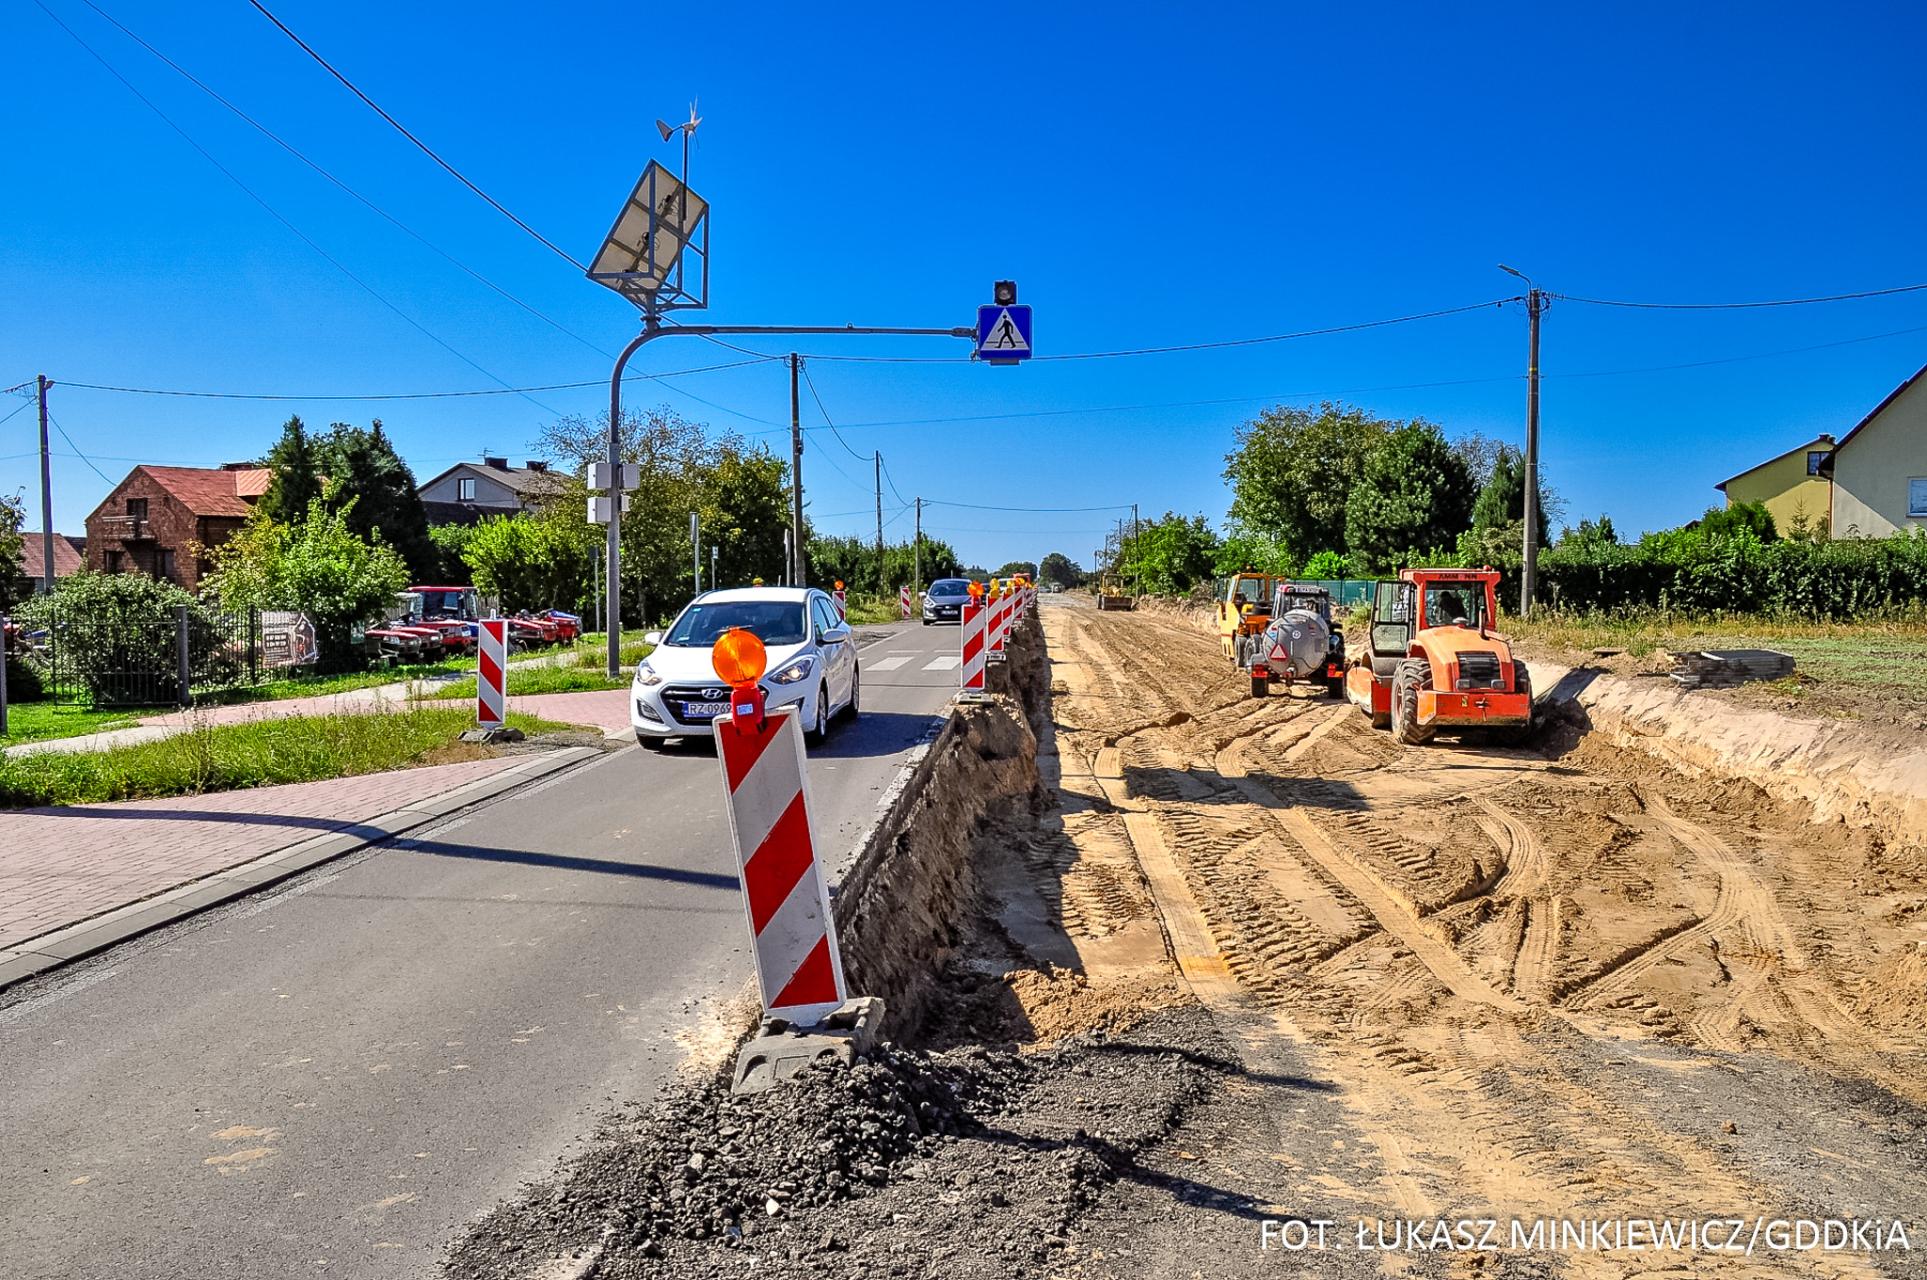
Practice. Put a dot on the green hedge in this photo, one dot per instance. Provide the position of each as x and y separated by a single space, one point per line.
1692 572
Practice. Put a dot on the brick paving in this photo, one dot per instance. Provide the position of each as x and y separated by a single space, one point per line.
59 866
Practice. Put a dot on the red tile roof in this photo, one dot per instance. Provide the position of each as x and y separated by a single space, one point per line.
207 491
67 557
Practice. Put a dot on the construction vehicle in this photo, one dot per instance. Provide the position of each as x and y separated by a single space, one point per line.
1113 592
1243 610
1298 644
1432 664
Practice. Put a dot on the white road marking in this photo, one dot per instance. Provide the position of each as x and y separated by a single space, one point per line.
944 662
892 663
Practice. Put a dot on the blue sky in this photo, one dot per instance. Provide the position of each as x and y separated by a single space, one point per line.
1151 175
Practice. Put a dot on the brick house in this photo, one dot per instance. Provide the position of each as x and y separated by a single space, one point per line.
68 558
153 518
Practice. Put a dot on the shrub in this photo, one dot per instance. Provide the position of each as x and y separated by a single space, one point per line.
116 635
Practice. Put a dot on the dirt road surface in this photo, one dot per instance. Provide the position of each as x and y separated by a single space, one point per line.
1542 983
1245 966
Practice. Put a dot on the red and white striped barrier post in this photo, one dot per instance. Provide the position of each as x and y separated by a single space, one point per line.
838 595
974 622
903 602
999 625
491 672
799 970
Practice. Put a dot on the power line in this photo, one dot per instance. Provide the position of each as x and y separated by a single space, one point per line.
294 151
1743 306
422 146
892 482
76 448
16 409
272 211
1153 351
811 382
407 395
977 506
1757 355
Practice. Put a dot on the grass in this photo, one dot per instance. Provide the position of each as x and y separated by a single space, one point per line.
1879 655
41 721
572 678
234 756
869 610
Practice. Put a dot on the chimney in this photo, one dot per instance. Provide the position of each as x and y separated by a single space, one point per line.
499 464
537 466
1827 436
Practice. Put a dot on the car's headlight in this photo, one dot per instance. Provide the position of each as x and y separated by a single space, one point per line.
795 672
646 676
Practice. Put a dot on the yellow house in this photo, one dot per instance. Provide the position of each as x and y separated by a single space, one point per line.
1879 469
1792 486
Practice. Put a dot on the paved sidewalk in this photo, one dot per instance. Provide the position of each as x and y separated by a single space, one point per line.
61 866
604 709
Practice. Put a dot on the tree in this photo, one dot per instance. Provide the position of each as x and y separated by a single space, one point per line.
117 636
369 483
741 493
1739 518
1292 473
853 560
1242 548
1327 566
1502 498
1014 567
1061 569
1413 495
295 460
319 566
1587 534
528 562
1170 555
13 583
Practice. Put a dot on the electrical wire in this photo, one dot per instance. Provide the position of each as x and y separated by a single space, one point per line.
294 151
16 409
76 448
977 506
422 146
1757 355
408 395
892 482
811 383
1153 351
1744 306
272 211
18 386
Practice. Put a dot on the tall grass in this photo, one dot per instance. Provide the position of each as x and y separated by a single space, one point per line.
234 756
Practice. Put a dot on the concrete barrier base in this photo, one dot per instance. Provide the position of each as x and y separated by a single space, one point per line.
782 1048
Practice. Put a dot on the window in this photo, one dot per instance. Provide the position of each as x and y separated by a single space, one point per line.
825 614
1447 602
113 562
137 508
167 564
775 622
465 489
1917 498
1814 458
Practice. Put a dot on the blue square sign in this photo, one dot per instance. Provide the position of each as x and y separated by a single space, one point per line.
1003 333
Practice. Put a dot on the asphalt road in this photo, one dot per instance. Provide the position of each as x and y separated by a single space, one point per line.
330 1078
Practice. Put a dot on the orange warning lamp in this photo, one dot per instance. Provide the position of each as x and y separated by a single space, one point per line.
976 590
739 657
839 584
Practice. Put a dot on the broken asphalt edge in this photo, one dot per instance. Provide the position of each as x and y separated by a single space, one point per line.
35 956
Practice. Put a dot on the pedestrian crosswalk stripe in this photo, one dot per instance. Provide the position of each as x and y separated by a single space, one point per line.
891 664
944 662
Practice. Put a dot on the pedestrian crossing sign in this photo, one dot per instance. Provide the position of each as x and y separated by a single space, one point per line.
1003 333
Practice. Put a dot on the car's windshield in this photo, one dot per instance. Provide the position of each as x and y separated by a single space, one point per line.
1288 601
444 604
774 622
950 587
1251 590
1447 602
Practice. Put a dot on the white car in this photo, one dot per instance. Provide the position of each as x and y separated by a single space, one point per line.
812 662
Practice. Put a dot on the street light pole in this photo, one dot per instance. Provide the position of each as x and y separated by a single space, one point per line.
46 486
883 582
652 327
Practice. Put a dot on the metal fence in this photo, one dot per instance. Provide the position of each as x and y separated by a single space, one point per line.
1347 593
116 660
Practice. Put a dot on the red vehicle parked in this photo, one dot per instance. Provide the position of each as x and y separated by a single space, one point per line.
450 611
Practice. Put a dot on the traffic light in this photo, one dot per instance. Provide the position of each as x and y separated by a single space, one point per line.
1004 293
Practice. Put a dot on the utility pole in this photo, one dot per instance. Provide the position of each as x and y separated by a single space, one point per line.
786 558
46 486
1529 574
883 583
796 479
696 548
916 555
